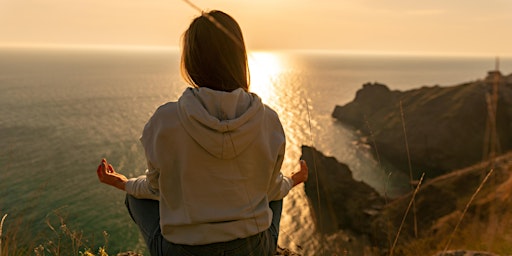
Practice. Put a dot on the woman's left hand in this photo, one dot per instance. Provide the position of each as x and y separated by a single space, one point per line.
107 174
302 175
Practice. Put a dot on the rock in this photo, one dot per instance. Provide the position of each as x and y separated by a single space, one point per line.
338 201
464 253
286 252
129 253
446 127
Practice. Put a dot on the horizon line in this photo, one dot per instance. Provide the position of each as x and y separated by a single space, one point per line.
383 53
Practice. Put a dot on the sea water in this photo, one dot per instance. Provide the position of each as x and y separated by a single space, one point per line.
62 110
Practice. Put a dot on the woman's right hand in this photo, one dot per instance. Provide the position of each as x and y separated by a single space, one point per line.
301 175
107 174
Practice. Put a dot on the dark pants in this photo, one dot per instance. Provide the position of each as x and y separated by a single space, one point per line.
146 215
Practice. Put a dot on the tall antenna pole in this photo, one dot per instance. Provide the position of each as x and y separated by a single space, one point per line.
494 144
494 109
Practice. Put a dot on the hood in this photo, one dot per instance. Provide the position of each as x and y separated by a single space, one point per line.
223 123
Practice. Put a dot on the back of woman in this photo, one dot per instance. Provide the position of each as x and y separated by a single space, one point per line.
217 171
213 184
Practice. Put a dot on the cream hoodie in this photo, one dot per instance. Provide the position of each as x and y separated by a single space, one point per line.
214 161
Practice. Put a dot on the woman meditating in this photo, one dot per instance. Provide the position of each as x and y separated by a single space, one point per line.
213 184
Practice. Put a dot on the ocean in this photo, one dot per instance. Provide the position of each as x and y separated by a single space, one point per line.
62 110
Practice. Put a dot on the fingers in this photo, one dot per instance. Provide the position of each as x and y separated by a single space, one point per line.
104 169
303 166
107 174
304 169
110 169
302 175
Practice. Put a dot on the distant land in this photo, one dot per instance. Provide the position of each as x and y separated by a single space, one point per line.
447 128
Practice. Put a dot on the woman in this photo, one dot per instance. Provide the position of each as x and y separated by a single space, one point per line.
213 184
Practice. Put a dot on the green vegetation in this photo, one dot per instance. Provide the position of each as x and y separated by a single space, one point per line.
16 239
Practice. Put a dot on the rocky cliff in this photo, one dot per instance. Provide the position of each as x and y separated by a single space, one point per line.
342 204
447 128
338 201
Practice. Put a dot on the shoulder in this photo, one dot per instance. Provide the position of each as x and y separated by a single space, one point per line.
273 124
270 112
163 121
165 109
163 116
271 115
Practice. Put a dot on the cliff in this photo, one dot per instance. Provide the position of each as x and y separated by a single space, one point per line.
446 127
343 204
338 201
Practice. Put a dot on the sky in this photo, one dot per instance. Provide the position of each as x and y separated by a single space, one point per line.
462 27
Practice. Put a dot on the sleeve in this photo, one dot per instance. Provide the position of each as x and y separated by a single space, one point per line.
283 185
280 185
145 186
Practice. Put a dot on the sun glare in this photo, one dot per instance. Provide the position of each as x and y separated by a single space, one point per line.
264 68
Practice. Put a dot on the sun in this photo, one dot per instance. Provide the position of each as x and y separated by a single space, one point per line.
265 68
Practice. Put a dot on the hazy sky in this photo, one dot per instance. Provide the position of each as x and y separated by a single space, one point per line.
430 26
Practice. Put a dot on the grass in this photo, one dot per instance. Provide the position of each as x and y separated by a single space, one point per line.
16 239
473 235
411 202
480 221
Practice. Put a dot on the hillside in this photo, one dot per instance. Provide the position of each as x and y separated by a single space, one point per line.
351 207
440 203
447 128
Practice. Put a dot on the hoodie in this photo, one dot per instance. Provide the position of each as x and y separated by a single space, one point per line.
214 161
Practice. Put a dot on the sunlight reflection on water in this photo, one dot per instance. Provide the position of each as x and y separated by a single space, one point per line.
282 83
272 80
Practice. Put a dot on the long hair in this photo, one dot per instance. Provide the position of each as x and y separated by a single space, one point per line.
214 54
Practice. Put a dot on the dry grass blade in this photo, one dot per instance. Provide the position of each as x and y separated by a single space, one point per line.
410 168
386 202
311 138
372 137
405 215
216 23
2 228
193 5
314 167
466 209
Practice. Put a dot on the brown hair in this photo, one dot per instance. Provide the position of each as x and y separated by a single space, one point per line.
214 54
